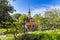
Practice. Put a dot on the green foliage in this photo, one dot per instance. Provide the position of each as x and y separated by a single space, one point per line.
5 9
38 19
9 37
6 25
18 26
48 35
50 20
40 36
23 18
2 31
16 16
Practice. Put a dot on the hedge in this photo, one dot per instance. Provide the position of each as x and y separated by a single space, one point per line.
40 36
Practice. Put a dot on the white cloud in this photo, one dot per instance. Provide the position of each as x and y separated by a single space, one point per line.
37 11
43 9
57 6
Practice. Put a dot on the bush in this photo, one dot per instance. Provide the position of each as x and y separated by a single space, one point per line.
40 36
49 35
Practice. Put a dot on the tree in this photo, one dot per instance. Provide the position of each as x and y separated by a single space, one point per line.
38 19
16 16
52 13
5 9
23 17
52 18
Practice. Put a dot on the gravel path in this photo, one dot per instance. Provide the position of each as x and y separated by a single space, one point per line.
2 36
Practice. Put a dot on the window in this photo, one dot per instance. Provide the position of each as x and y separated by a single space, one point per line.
28 26
33 26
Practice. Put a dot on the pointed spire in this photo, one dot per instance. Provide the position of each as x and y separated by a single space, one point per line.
29 13
29 10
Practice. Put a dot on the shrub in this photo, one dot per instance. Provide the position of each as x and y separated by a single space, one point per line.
40 36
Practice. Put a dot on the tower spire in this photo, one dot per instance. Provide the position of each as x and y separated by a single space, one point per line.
29 13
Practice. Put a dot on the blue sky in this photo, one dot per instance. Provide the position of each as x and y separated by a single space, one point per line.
36 6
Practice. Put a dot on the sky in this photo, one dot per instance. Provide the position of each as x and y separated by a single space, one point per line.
36 6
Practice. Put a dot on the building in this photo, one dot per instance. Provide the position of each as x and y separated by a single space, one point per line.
31 25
